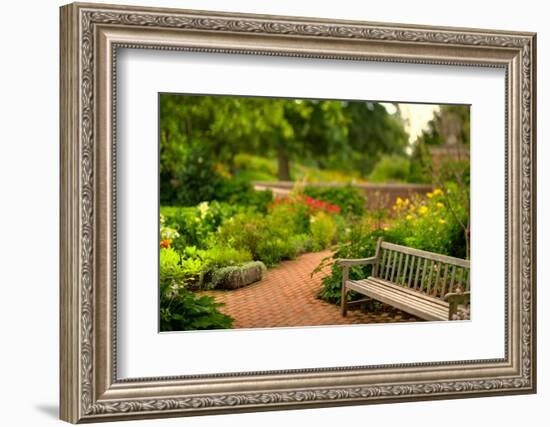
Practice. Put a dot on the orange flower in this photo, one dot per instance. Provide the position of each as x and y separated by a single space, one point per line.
165 243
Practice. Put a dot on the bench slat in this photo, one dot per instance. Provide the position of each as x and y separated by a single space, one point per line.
393 266
388 265
442 293
453 274
429 284
391 297
405 270
411 271
460 280
405 301
423 280
417 272
425 254
418 308
385 263
410 292
398 277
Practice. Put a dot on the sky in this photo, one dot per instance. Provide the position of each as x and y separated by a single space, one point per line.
416 116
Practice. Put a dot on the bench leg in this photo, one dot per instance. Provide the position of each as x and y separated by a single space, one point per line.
344 307
343 298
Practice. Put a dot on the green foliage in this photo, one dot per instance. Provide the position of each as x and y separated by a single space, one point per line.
223 256
181 309
255 168
391 168
421 163
199 180
205 140
239 191
195 180
264 236
170 267
282 233
350 199
245 230
323 230
360 244
372 133
431 223
176 271
195 224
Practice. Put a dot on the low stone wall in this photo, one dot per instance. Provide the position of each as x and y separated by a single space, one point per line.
377 196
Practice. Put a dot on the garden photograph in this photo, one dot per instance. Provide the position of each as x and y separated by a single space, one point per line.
282 212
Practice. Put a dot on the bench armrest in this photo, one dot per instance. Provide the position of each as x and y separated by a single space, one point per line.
455 299
358 261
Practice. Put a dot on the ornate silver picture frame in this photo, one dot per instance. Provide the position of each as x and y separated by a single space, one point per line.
90 388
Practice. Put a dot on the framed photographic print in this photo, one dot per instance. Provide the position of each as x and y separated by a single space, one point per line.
265 212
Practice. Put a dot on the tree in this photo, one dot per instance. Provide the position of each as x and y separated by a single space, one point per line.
332 134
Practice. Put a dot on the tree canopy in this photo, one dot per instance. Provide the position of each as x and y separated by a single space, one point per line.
328 134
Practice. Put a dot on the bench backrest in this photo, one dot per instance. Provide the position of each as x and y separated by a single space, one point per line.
428 272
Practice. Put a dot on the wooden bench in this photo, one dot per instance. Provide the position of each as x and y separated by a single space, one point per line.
425 284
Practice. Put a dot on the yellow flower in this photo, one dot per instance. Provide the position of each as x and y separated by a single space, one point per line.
442 221
429 195
412 208
409 217
398 201
440 205
386 228
423 210
438 192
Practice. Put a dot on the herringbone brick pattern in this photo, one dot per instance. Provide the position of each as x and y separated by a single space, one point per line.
286 296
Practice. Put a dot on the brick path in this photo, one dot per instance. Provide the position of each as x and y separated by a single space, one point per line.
286 296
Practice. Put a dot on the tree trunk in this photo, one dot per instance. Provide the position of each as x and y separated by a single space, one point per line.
284 165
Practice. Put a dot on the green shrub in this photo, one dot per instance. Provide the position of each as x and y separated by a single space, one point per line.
195 224
175 271
197 179
323 230
350 199
432 223
170 269
280 234
276 249
301 243
287 219
223 256
391 168
343 228
181 309
361 244
243 231
259 200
